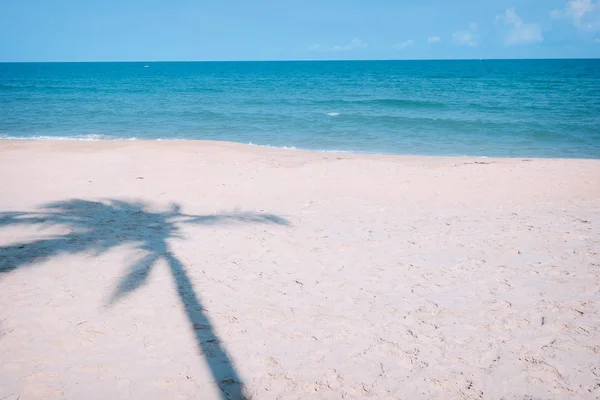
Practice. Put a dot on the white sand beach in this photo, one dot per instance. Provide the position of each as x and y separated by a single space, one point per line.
207 270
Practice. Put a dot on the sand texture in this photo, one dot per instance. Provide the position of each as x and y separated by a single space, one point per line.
204 270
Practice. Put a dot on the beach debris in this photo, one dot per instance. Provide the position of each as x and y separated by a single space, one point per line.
139 177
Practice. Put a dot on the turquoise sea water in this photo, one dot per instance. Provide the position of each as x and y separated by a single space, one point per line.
524 108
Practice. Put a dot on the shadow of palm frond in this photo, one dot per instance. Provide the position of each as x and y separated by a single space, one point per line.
96 227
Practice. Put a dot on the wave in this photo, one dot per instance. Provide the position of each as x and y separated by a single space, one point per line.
310 149
8 87
86 137
395 103
423 121
405 103
273 147
392 103
127 88
97 138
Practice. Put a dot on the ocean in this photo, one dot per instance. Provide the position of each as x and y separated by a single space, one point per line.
488 108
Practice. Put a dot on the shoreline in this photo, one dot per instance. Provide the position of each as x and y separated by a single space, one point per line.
206 142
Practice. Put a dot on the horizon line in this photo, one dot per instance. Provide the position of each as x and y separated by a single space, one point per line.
300 60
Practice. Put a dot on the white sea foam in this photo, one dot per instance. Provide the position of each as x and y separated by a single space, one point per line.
274 147
98 137
309 149
89 137
333 114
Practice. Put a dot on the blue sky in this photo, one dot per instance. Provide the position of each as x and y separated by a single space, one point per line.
129 30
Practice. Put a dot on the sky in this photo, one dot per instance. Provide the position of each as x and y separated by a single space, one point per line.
202 30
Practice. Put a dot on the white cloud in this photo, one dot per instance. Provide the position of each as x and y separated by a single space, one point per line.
466 37
584 14
354 45
405 44
434 39
519 32
578 8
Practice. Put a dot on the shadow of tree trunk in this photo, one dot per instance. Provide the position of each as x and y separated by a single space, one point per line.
219 362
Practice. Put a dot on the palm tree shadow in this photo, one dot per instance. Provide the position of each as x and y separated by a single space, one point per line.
96 227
